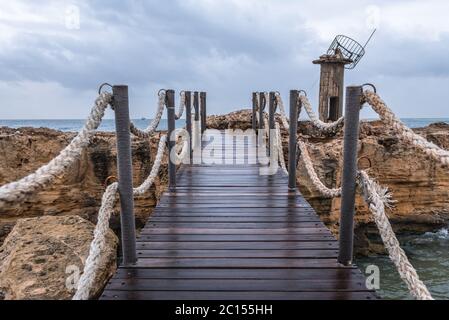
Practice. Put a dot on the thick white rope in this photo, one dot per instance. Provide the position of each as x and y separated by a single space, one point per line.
183 147
146 185
325 191
98 244
146 133
377 198
18 191
325 127
280 148
284 119
405 133
182 103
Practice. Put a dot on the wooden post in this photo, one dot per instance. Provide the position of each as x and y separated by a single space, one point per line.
349 174
253 114
196 109
292 144
170 104
261 109
203 111
271 112
188 99
125 176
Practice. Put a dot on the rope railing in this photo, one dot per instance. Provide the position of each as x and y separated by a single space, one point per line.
149 131
376 197
17 191
92 264
406 134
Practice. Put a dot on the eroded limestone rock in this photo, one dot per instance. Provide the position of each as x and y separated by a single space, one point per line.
40 258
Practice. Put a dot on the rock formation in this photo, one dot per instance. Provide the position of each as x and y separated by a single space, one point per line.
79 191
43 257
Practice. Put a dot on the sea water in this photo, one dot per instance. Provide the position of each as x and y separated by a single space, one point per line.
109 125
428 253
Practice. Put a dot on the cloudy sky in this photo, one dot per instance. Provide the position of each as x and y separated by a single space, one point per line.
54 54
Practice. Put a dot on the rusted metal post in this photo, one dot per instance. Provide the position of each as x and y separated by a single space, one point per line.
170 104
271 111
349 175
292 144
253 113
125 176
188 100
261 109
203 111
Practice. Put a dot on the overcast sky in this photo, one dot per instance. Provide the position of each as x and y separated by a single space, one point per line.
54 54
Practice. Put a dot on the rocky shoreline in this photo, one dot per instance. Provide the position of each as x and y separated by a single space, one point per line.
419 184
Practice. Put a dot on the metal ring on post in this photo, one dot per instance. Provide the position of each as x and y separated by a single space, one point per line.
161 90
364 157
109 180
103 85
181 92
370 85
303 91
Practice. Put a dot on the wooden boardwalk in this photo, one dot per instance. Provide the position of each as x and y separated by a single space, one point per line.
230 233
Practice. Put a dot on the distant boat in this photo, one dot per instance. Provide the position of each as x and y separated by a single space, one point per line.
143 118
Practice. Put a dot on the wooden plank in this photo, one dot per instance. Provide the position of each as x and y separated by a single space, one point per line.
235 295
254 285
202 231
233 225
237 245
227 219
220 253
342 274
236 263
240 237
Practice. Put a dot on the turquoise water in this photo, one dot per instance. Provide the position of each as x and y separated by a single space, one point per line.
108 124
428 253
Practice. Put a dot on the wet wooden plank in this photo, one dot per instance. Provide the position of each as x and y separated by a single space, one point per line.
228 232
235 295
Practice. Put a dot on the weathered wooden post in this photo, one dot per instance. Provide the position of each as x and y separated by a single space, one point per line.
125 176
292 143
254 114
349 175
271 111
170 104
196 118
261 109
188 100
203 111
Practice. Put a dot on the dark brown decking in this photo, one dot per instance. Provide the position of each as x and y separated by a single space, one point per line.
230 233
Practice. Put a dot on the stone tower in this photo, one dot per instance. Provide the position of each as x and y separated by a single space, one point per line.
330 106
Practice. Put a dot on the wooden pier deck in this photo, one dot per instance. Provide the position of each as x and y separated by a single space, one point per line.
230 233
